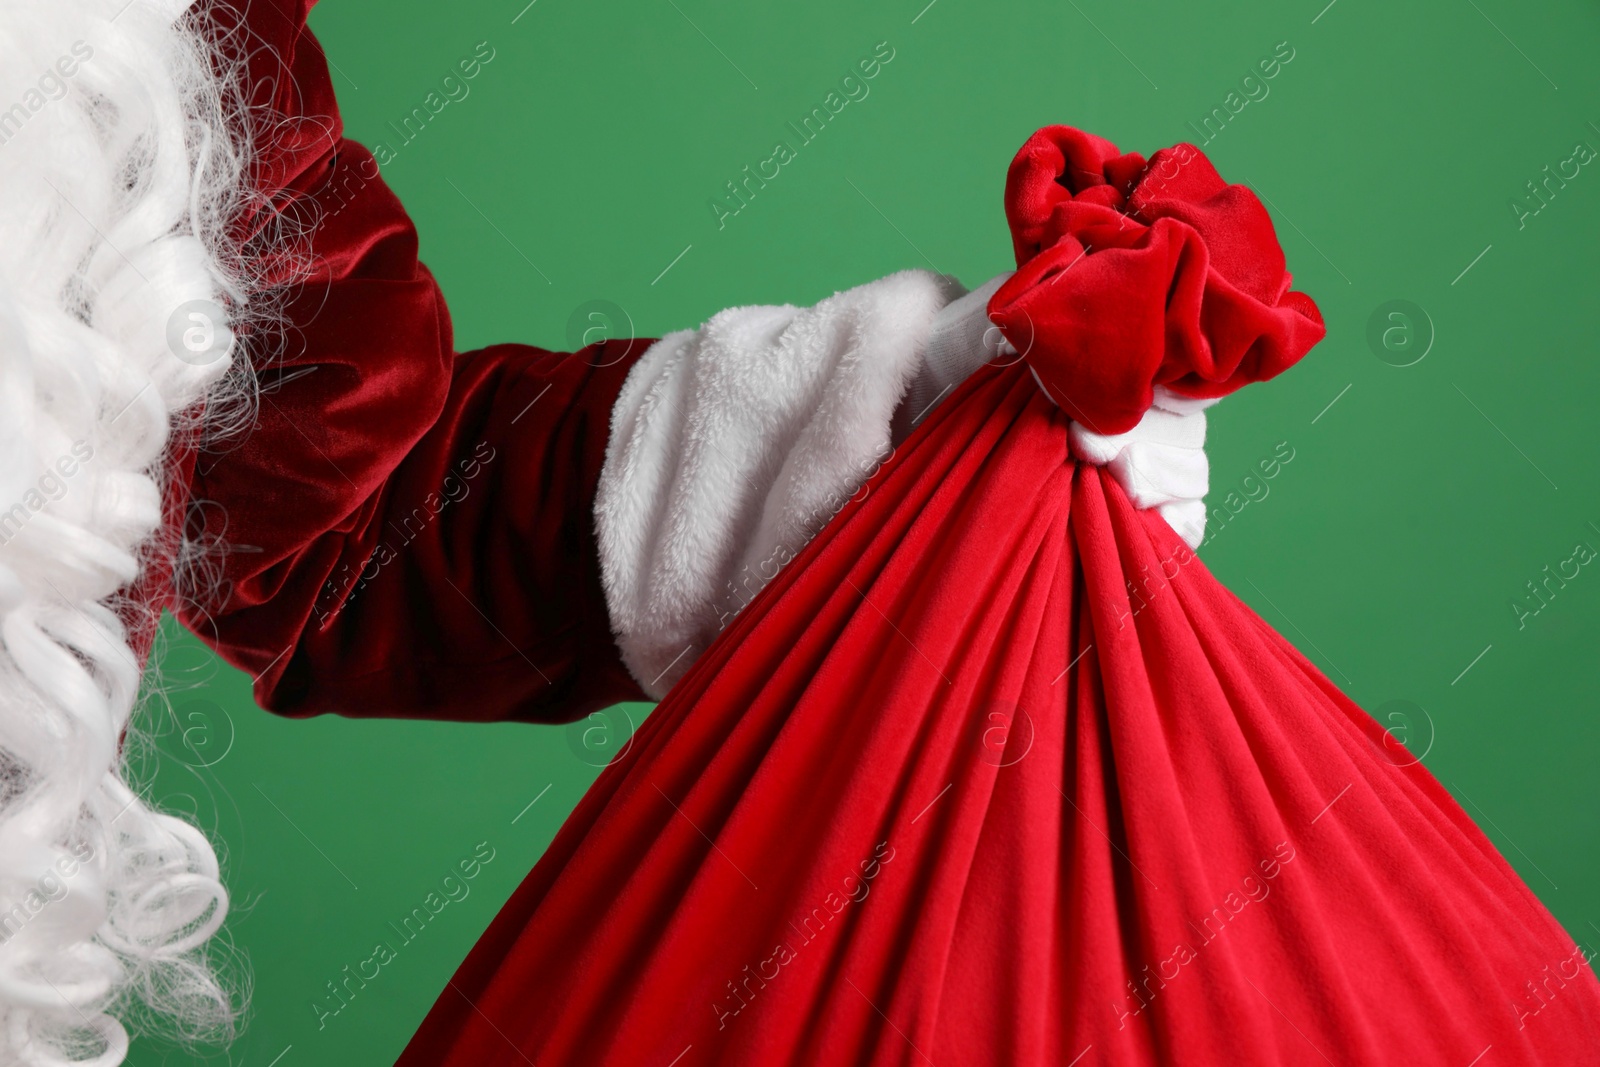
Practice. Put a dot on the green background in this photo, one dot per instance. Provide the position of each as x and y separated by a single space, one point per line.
1390 549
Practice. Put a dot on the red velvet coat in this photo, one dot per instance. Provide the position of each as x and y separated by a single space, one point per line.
408 530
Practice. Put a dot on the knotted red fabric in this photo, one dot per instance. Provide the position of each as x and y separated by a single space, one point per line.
996 772
1133 274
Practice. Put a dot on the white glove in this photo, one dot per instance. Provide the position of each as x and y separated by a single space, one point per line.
1160 463
961 340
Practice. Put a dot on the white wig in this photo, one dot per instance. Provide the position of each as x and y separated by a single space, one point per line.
121 169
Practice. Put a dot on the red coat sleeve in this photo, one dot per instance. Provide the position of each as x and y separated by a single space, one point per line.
405 531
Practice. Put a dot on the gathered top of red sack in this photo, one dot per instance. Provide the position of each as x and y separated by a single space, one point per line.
1133 273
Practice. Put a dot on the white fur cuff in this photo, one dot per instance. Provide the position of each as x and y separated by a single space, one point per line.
731 446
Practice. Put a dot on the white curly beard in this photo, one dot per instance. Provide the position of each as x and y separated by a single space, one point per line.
118 170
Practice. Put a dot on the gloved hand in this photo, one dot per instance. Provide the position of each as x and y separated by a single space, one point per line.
961 340
1160 463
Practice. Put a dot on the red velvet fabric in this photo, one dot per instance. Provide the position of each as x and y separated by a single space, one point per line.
406 531
1133 274
995 772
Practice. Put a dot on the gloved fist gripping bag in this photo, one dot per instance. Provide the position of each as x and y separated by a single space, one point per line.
996 772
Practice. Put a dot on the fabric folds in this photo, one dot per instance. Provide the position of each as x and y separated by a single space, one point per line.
997 772
1135 274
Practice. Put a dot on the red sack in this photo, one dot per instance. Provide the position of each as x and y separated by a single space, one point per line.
995 772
